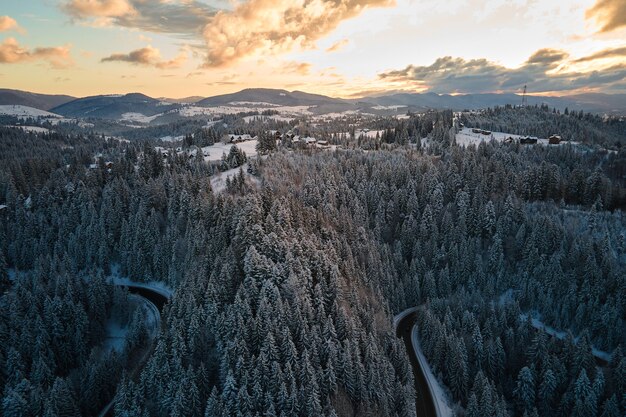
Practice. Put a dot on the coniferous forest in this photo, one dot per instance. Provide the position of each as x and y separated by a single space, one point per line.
285 283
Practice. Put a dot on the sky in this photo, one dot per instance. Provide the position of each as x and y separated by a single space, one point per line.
342 48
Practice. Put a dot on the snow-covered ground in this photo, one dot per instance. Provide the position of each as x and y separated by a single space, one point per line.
466 137
368 133
33 129
394 107
276 117
172 138
218 182
191 111
215 152
253 104
25 112
439 395
138 117
156 286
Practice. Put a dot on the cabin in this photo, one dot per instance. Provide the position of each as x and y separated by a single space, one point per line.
485 132
554 140
323 144
108 164
477 130
233 138
527 140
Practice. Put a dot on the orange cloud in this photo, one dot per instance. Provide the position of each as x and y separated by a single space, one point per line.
98 8
300 68
7 23
148 56
610 14
337 45
276 26
12 53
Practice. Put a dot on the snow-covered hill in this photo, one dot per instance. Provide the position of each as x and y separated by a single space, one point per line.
25 112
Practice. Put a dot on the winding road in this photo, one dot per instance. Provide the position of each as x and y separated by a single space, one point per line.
404 324
155 301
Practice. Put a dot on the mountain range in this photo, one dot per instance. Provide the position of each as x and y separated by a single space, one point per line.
114 106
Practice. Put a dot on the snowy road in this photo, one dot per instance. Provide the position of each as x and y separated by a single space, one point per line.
154 300
429 401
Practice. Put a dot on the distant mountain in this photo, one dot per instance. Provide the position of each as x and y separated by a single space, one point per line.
113 106
34 100
273 96
596 103
147 108
184 100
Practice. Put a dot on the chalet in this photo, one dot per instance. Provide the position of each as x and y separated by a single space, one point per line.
323 144
232 138
108 164
554 140
476 130
309 141
485 132
528 140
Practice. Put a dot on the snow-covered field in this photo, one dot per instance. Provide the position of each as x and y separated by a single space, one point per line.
25 112
368 133
138 117
215 152
171 138
466 137
33 129
395 107
276 117
191 111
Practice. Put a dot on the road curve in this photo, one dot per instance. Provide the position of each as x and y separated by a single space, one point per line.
404 324
155 300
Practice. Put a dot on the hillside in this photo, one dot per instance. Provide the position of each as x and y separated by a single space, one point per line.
37 101
113 106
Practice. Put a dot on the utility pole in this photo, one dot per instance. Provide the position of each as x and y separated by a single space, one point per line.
524 98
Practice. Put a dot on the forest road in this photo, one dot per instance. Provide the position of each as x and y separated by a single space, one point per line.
155 302
424 404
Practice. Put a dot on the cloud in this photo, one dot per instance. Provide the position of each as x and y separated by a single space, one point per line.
276 26
547 56
610 14
184 17
98 8
7 23
148 56
337 45
605 53
300 68
12 53
542 72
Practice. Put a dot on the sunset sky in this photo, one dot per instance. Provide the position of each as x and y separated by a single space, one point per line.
346 48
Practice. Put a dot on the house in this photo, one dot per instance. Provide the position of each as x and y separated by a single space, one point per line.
476 130
528 140
309 141
233 138
554 140
323 144
108 164
485 132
